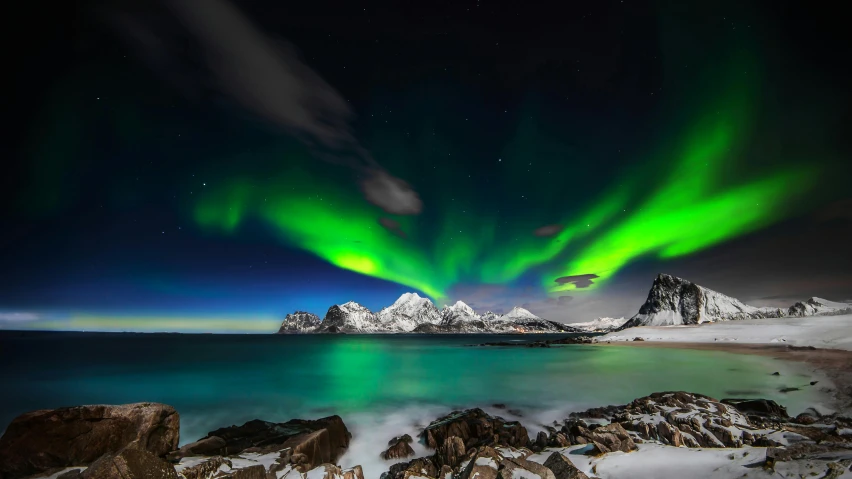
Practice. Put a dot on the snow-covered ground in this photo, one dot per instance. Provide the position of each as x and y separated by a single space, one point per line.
830 332
600 324
655 461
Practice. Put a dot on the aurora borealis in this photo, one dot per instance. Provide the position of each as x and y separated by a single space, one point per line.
216 185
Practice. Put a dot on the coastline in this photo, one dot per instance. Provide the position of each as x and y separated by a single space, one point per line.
833 364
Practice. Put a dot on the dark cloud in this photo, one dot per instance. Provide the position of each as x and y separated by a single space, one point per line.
391 194
549 230
579 280
565 299
392 226
265 76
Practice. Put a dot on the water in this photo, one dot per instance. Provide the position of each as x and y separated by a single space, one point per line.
381 385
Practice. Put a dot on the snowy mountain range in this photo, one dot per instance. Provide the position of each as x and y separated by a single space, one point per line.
412 313
676 301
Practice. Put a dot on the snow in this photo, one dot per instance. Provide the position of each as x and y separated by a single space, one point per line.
520 313
359 317
600 324
654 461
63 471
830 332
408 312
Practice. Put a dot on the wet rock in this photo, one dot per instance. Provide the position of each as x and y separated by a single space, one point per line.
77 436
762 408
475 428
312 442
404 438
563 468
130 463
805 419
205 469
422 467
514 468
400 450
483 465
451 452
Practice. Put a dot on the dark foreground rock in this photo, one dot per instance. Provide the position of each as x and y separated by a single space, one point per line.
475 428
539 344
130 463
77 436
311 442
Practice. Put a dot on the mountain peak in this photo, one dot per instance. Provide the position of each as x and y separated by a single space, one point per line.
520 313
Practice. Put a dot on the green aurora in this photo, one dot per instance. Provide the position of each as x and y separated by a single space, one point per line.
691 197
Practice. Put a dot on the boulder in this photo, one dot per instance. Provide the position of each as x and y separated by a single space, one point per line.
762 408
312 442
609 438
331 471
483 465
450 453
400 450
404 438
420 467
204 469
563 468
475 428
77 436
517 468
130 463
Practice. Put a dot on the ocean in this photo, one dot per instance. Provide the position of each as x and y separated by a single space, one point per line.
381 385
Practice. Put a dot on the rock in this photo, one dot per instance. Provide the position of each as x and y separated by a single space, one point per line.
77 436
763 408
252 472
776 373
805 419
451 452
787 390
609 438
637 338
205 469
541 439
72 474
483 465
563 468
317 441
517 468
404 438
475 428
400 450
446 472
669 434
130 463
423 467
209 446
331 471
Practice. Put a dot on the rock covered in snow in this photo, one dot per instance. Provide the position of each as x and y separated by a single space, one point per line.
299 322
408 312
819 307
675 301
349 317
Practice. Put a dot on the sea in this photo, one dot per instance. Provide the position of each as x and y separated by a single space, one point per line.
381 385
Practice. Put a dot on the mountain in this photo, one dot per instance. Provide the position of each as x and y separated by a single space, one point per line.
349 317
408 312
299 322
600 325
412 313
819 307
676 301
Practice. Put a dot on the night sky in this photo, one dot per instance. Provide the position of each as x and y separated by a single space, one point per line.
169 166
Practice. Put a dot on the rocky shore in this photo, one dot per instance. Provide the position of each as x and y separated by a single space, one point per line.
138 441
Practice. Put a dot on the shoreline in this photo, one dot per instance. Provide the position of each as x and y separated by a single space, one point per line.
834 364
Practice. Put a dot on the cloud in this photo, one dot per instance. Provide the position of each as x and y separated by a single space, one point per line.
392 226
549 230
391 194
18 316
579 280
264 76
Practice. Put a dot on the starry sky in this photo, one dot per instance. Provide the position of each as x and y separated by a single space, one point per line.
193 165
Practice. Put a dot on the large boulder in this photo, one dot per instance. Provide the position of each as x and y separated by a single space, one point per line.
130 463
420 467
312 442
399 450
475 428
77 436
563 468
759 409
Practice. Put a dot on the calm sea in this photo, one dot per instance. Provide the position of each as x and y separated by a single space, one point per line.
381 385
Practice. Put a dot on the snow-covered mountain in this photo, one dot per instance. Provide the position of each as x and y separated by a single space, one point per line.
299 322
600 325
819 307
408 312
349 317
675 301
412 313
